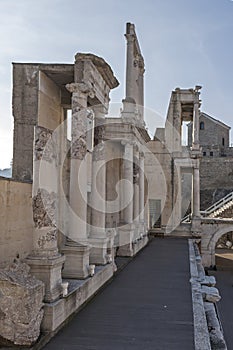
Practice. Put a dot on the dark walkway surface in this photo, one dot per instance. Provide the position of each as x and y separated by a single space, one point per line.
224 281
146 306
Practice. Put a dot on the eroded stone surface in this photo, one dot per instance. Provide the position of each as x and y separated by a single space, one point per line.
210 294
21 312
44 208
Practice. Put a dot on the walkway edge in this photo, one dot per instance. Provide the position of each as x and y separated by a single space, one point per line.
201 333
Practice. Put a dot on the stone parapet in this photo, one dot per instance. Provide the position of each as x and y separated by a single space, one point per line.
204 296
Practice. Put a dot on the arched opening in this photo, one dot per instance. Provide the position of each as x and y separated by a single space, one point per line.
210 242
224 252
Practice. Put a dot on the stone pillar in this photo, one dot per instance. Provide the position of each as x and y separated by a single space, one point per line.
130 75
98 238
76 248
141 193
45 261
126 232
141 67
128 181
136 192
196 126
196 190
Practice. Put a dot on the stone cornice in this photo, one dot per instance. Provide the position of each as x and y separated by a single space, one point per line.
102 66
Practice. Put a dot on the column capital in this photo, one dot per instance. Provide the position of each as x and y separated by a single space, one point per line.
81 88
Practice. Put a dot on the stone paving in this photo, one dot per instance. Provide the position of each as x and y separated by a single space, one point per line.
147 306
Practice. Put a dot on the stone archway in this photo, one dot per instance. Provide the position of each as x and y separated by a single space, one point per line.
214 239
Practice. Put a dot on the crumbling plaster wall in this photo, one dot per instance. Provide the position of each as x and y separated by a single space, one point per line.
16 220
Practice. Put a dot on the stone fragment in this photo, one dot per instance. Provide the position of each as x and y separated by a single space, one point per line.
210 294
216 335
209 281
21 303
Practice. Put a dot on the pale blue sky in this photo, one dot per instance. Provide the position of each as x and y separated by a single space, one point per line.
184 43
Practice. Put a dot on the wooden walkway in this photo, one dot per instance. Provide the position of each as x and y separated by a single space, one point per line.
147 306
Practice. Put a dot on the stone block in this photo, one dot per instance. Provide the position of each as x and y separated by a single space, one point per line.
210 294
77 261
98 251
125 236
48 270
21 305
209 281
79 292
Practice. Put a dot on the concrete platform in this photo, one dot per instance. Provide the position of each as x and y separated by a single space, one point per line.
146 306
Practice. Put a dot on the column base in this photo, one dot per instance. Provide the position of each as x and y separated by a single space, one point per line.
48 270
77 261
142 229
98 250
196 226
136 231
111 249
125 240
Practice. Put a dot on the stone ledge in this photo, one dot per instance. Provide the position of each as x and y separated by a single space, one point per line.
55 314
207 330
201 333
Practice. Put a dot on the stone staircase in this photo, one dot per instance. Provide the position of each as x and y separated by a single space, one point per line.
221 209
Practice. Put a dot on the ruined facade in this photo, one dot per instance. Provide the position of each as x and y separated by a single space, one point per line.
80 198
217 158
174 167
73 217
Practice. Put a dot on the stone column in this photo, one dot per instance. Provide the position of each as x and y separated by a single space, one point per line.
45 261
136 191
141 193
196 190
128 181
98 238
130 76
76 248
196 126
126 232
141 86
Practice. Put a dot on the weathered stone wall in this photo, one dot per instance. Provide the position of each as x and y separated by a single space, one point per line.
36 101
16 220
25 112
158 171
211 136
49 105
216 178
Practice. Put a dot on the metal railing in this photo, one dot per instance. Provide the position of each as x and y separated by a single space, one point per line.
213 208
225 200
